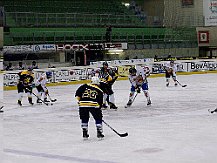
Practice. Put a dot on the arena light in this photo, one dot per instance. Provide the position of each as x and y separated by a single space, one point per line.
115 51
126 4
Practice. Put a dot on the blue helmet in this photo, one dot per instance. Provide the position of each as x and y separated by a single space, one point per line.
49 74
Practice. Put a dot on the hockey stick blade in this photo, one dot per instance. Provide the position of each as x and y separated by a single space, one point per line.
126 106
53 100
212 111
181 84
123 135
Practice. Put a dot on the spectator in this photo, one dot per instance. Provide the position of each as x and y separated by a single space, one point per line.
34 65
20 66
156 57
9 67
108 34
49 66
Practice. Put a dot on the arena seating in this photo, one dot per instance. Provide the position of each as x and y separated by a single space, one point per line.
46 21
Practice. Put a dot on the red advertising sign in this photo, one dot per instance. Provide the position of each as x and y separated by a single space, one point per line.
203 36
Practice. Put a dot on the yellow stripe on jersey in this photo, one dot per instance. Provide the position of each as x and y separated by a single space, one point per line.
95 86
109 78
88 104
78 98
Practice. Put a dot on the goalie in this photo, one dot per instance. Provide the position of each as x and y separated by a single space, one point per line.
138 80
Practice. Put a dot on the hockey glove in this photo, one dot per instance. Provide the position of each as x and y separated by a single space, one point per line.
138 90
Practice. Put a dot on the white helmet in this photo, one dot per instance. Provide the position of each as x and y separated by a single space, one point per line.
95 80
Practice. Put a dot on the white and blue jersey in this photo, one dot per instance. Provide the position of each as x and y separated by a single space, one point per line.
139 80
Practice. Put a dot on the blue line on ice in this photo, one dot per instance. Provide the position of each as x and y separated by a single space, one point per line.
53 156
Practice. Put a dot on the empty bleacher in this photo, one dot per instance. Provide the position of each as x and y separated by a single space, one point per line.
90 13
66 21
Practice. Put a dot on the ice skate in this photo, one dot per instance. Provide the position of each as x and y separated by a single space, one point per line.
85 134
129 103
38 101
113 106
99 134
149 103
104 106
19 103
45 100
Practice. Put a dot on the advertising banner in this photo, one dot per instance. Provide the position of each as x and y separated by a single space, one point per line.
18 49
210 12
83 73
44 48
10 78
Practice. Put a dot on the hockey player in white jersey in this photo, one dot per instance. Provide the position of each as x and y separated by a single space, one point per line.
170 71
41 86
138 80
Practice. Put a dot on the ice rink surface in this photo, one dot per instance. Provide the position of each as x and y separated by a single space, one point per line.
177 128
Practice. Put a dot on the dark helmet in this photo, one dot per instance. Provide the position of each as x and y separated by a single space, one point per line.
30 69
105 64
132 70
49 74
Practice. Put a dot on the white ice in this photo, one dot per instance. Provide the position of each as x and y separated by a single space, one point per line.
177 128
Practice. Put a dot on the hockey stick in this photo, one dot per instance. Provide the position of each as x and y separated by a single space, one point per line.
40 99
132 100
180 83
121 135
52 100
212 111
37 96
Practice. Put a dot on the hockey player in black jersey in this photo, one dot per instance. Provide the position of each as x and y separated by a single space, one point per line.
108 77
90 100
25 83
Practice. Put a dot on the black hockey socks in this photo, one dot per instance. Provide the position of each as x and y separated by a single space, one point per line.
30 100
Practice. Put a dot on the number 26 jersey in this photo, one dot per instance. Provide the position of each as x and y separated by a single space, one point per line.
89 95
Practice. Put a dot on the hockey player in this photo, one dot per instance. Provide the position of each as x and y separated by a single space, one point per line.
25 83
170 71
138 80
90 100
41 86
108 77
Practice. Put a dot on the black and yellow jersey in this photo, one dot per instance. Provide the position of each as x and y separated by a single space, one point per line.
25 77
108 75
89 95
